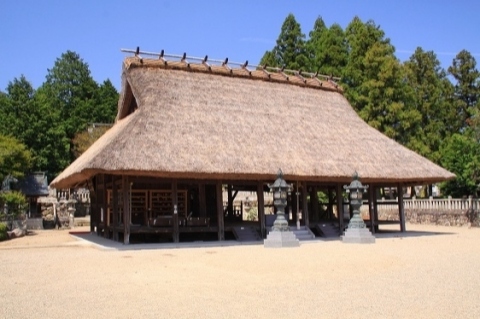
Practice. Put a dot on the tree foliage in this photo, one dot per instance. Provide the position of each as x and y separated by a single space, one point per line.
16 202
417 103
289 52
46 120
467 88
461 155
429 86
85 139
15 159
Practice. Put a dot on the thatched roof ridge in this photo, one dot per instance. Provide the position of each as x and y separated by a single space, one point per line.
186 122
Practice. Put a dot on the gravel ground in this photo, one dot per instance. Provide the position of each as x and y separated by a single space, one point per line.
429 272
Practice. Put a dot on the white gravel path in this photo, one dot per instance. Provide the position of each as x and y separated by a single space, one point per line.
431 272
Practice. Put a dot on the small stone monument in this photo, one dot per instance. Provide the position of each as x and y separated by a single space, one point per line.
280 235
357 232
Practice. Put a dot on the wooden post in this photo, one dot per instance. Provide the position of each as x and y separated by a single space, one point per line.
126 209
115 208
330 204
106 221
339 206
175 219
202 200
221 222
305 212
261 208
371 213
401 208
375 210
230 202
99 197
314 200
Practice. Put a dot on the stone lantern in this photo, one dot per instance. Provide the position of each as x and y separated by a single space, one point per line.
356 232
280 234
280 190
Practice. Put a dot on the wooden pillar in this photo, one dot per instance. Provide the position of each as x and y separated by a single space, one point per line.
261 209
371 213
221 222
401 208
375 210
115 208
330 204
305 213
314 200
202 200
340 206
126 209
230 202
175 219
106 222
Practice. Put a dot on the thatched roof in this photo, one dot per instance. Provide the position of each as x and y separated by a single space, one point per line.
190 121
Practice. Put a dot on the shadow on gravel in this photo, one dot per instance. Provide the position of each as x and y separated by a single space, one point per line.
409 233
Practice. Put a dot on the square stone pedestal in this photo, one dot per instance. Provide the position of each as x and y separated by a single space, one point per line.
358 236
279 239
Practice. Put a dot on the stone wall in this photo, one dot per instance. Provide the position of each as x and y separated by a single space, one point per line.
434 217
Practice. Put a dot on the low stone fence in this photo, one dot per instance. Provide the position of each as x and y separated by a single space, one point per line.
433 211
440 217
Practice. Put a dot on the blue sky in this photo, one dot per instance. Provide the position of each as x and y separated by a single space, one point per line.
34 33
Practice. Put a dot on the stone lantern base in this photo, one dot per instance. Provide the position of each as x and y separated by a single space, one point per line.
358 235
279 239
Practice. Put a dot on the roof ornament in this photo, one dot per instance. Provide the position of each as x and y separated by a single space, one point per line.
264 69
204 62
244 67
137 54
304 76
281 71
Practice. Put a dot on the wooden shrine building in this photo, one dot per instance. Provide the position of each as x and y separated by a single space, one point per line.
188 128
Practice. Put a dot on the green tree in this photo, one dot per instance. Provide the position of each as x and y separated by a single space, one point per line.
467 87
107 103
327 49
460 154
361 37
289 52
431 89
15 159
71 89
18 109
85 139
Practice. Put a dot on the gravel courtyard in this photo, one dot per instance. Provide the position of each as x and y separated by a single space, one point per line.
429 272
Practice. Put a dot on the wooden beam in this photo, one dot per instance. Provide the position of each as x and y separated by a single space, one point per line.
261 208
339 196
306 219
401 207
176 230
202 200
221 222
126 209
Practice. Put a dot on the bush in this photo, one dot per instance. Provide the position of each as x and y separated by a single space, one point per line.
16 203
3 231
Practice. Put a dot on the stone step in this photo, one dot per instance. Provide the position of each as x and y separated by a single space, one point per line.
328 230
246 233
